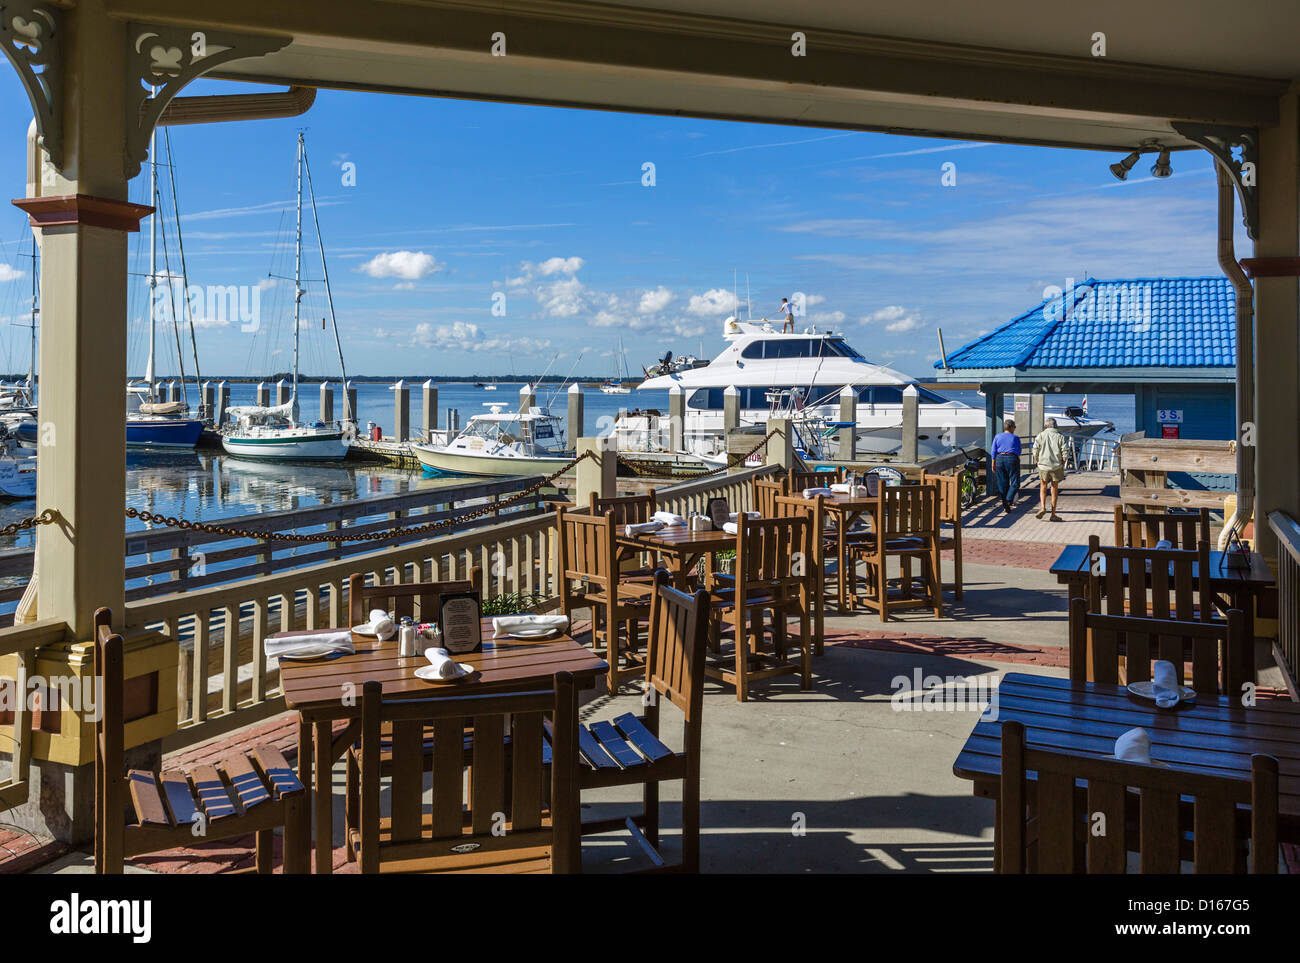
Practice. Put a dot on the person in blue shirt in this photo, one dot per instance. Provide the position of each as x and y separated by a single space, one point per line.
1006 463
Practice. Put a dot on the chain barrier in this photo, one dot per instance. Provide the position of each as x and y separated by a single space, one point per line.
740 459
340 535
47 517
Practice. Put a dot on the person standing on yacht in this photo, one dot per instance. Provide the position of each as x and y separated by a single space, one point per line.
787 315
1006 463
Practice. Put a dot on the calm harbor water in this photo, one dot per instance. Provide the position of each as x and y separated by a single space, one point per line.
209 485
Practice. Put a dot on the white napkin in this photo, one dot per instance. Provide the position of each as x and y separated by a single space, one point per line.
735 516
381 624
642 528
814 492
730 528
335 641
844 488
504 625
445 667
668 518
1134 746
1164 684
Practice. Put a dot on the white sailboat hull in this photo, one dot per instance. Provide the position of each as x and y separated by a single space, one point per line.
287 444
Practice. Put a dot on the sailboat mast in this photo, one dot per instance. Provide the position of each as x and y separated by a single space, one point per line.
153 256
325 274
31 358
297 279
185 277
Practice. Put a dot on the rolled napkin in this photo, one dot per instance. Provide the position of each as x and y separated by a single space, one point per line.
1134 746
668 518
730 528
735 516
381 625
844 488
642 528
309 642
444 666
1164 685
504 625
814 492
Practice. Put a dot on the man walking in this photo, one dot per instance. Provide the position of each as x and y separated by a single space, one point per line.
1006 463
1049 455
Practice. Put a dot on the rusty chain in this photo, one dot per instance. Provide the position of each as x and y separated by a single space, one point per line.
740 459
47 517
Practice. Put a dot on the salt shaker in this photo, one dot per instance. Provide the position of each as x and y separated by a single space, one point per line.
407 644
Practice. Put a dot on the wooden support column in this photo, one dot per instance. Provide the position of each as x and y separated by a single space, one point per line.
598 474
676 418
1277 324
575 413
780 447
848 413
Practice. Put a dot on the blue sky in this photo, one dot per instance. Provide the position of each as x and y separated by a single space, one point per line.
455 202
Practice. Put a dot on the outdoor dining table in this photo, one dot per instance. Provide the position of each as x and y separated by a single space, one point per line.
1241 587
325 690
843 510
680 549
1211 734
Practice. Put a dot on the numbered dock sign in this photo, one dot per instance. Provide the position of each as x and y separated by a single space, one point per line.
1169 416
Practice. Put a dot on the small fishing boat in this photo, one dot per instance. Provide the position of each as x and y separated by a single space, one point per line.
501 442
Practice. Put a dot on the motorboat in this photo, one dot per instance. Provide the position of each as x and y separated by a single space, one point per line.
501 442
800 376
276 431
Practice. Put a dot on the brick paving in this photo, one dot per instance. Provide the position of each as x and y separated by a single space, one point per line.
1086 507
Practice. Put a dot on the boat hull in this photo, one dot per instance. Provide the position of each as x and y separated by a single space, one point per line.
327 446
163 432
462 463
16 483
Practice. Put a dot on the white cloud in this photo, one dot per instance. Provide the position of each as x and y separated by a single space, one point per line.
562 299
9 273
656 300
407 265
713 302
560 265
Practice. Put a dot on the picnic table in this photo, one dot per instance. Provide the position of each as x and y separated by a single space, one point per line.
1240 588
1213 734
680 549
325 690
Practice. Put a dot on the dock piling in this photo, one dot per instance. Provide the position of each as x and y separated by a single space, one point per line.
350 404
263 394
527 399
428 411
911 422
575 420
730 409
848 413
326 402
401 412
676 418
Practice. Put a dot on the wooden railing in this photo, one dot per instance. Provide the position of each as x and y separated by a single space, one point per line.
163 561
1287 531
693 496
18 645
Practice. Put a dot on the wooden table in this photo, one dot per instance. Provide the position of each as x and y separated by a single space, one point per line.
680 548
1211 734
843 511
1241 587
317 690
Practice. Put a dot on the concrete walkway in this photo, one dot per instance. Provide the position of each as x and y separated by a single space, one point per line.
1086 507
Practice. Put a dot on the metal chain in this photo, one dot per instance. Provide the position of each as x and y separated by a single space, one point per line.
47 517
713 471
340 536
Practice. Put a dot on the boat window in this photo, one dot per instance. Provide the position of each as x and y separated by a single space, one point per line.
842 349
893 395
788 348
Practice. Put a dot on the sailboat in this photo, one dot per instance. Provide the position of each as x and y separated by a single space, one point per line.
262 431
152 422
615 385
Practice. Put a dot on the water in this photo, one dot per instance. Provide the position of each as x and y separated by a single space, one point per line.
208 485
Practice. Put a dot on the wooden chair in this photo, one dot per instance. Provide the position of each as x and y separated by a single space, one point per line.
799 480
765 494
1138 529
822 570
1215 649
251 791
627 509
1162 583
772 555
587 552
949 488
905 526
400 598
627 750
1061 826
511 825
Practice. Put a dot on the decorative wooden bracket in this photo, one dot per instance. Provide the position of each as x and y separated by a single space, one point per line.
1237 151
31 37
161 61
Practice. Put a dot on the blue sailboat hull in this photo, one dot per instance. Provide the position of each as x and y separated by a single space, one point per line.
163 432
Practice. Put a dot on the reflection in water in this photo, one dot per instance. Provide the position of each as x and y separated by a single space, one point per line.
206 486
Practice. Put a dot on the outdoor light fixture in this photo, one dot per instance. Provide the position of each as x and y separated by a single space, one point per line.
1121 169
1161 167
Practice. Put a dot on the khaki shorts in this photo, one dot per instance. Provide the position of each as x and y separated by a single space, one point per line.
1051 475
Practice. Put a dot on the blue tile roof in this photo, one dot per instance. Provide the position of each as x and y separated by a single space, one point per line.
1141 322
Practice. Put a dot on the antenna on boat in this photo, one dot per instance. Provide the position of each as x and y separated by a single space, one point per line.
749 304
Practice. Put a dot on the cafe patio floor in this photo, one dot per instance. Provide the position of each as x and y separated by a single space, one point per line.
832 780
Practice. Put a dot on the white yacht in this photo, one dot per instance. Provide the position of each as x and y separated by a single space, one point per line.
800 375
501 443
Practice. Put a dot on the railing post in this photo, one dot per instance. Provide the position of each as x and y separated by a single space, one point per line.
676 418
597 474
911 422
849 412
780 447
